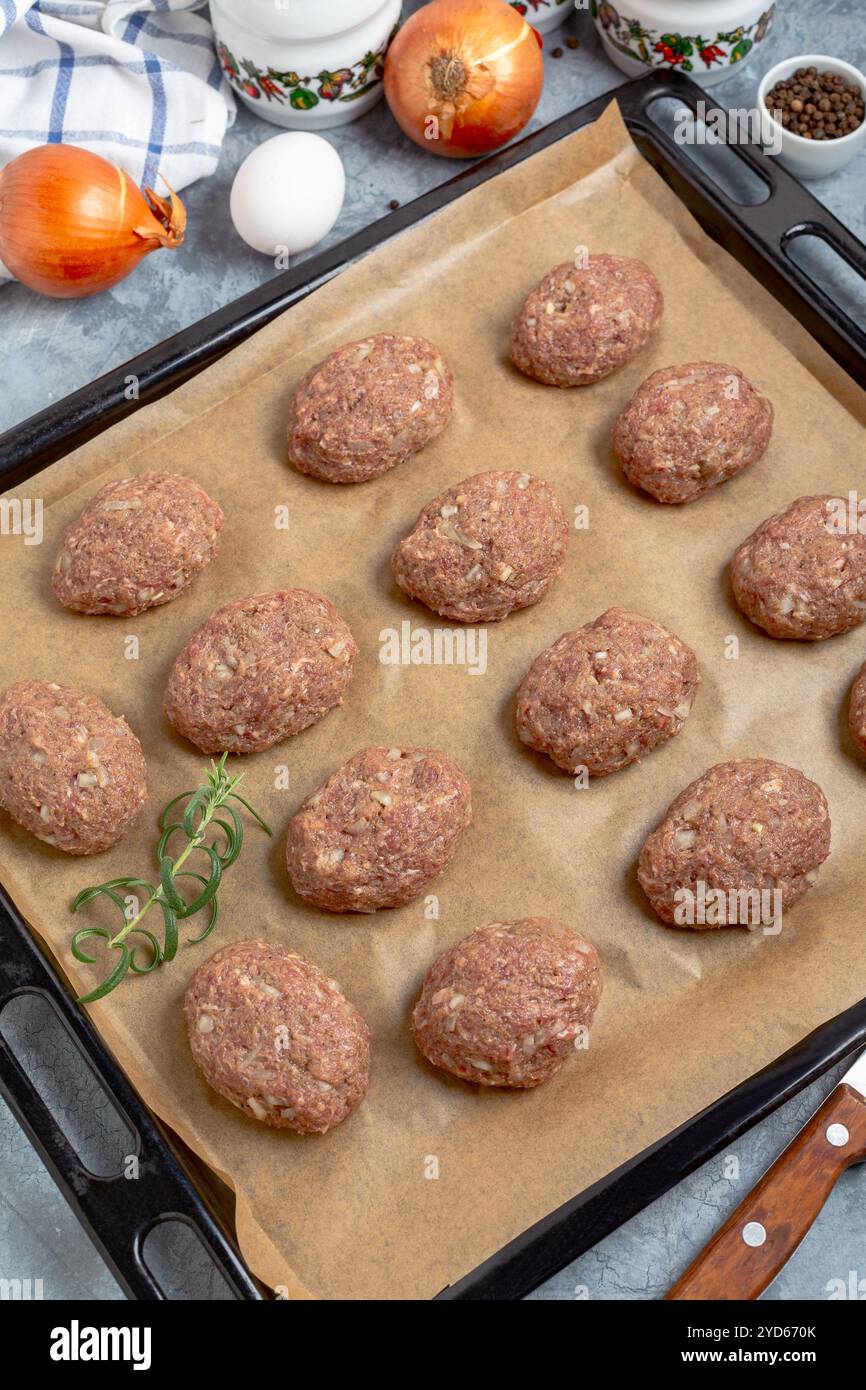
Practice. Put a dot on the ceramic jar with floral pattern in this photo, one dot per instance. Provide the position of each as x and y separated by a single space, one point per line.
305 64
705 39
543 15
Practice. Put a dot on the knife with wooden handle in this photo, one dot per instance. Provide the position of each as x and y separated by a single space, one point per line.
747 1253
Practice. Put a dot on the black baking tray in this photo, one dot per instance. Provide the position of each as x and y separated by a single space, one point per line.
118 1214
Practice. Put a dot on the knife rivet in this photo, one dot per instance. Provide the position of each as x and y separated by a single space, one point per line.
837 1135
754 1233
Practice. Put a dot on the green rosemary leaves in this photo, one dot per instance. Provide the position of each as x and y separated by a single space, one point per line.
213 831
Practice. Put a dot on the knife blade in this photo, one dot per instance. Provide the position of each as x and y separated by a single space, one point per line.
746 1254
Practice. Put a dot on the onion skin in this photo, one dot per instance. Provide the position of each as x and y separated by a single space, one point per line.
473 66
72 224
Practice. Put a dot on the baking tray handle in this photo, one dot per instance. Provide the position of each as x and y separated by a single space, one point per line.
759 234
117 1213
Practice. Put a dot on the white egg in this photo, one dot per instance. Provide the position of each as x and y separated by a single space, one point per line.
288 193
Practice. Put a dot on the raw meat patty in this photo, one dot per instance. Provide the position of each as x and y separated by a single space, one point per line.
689 428
138 543
71 772
505 1005
603 696
797 576
579 325
750 824
277 1038
379 830
857 710
493 543
369 405
260 670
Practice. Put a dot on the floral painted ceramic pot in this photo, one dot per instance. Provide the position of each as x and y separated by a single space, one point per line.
704 39
543 14
305 64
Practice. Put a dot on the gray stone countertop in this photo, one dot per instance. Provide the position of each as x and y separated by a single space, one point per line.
52 347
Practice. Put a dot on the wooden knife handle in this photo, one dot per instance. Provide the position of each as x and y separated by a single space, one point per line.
747 1253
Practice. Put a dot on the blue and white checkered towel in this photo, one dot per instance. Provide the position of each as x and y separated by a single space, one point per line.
136 81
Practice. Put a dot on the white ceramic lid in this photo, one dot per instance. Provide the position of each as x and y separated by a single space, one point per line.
694 16
299 19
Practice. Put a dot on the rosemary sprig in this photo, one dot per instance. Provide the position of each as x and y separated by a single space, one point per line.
198 818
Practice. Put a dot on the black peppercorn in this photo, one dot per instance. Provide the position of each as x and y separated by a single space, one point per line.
816 106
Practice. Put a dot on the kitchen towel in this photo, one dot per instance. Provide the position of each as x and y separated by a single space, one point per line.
137 82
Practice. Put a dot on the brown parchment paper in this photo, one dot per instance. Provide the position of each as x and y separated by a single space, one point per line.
430 1176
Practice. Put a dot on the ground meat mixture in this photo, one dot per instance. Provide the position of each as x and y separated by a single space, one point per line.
801 574
748 825
277 1038
71 772
380 829
369 405
857 710
580 324
484 548
138 543
260 670
509 1003
689 428
605 695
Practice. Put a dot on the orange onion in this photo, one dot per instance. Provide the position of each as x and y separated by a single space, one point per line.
72 224
464 76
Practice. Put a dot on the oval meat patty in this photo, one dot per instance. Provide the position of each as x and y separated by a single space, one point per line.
380 829
368 406
857 710
138 543
492 544
505 1006
687 429
259 670
580 324
801 576
607 694
277 1038
71 772
748 825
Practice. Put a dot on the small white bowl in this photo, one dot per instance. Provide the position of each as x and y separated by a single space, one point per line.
812 159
